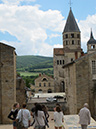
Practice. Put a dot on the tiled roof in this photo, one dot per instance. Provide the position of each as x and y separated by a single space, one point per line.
91 40
71 25
58 51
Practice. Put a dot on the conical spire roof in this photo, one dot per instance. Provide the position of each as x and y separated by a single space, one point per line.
71 25
91 40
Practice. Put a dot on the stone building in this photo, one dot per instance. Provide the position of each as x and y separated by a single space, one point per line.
71 50
43 84
74 70
7 80
20 90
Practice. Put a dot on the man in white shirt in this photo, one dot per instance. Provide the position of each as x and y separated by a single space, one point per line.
85 116
26 117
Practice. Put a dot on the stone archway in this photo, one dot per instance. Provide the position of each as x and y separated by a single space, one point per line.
49 91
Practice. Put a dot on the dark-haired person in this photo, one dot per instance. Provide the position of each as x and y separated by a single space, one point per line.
13 114
26 117
57 105
45 110
58 118
32 113
39 118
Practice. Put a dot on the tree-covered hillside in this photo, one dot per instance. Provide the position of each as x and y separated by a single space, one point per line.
29 67
32 63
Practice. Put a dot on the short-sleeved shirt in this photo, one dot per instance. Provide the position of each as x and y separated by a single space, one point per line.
58 117
26 116
39 119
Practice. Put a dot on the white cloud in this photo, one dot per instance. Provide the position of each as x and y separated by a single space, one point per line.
85 27
54 35
58 46
29 24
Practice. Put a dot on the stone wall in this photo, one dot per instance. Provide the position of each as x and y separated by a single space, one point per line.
70 88
7 81
84 82
79 82
20 91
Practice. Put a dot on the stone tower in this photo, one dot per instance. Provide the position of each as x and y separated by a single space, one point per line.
71 33
71 50
91 44
7 81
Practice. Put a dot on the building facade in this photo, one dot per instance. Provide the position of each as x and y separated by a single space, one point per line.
74 70
43 84
7 80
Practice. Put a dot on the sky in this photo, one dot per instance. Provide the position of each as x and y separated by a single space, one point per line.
34 27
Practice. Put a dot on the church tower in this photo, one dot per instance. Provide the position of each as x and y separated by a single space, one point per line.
71 33
91 44
71 51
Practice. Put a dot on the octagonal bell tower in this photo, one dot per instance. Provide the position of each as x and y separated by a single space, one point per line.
71 33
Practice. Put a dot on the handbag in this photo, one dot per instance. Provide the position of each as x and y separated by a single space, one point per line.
20 124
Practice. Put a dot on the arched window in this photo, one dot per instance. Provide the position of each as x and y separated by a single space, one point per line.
60 62
39 84
78 35
72 35
44 79
66 42
63 61
57 62
49 91
72 42
63 86
66 35
40 90
44 84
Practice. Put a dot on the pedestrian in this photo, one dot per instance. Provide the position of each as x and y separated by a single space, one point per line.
32 113
58 118
57 105
13 114
84 116
45 110
33 109
39 118
24 116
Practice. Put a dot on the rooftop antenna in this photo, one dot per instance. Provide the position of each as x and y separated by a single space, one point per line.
70 3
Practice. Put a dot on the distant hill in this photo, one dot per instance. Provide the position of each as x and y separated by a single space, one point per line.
29 63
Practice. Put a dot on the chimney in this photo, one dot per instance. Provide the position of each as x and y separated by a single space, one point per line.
39 74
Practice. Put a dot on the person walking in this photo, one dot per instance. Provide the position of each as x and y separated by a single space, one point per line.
58 118
13 114
39 118
26 117
45 110
32 113
84 116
